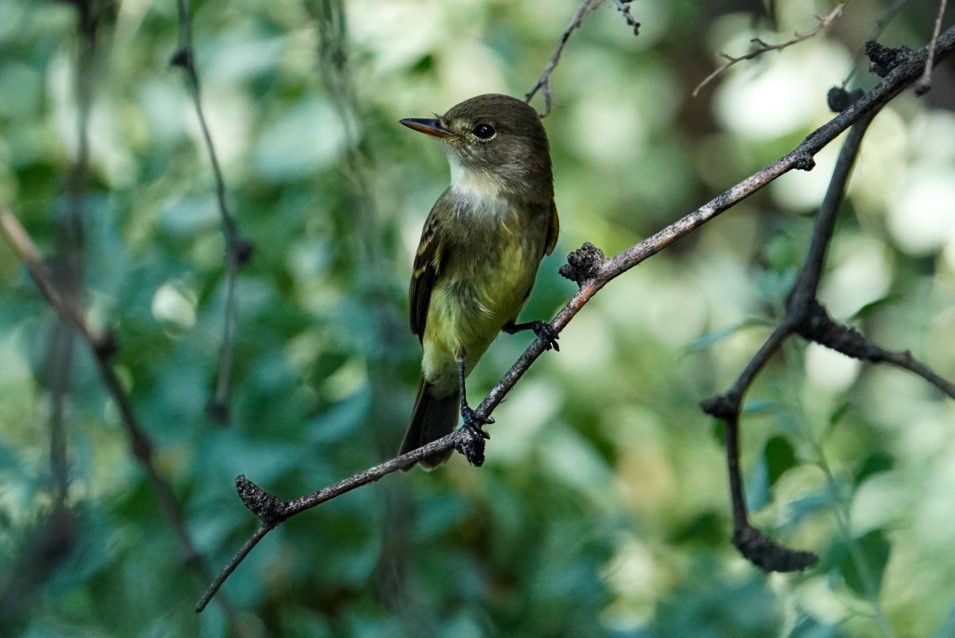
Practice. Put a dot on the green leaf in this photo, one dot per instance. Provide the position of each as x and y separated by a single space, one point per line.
780 456
709 339
761 406
810 504
809 627
863 562
776 457
836 417
873 306
875 463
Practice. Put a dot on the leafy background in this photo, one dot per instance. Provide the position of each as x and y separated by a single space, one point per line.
602 509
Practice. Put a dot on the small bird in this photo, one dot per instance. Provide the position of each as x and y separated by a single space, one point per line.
479 252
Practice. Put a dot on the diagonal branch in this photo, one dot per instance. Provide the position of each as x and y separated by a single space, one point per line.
924 84
592 271
103 345
238 249
545 81
761 47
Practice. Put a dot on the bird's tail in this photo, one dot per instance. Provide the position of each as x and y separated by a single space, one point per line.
432 418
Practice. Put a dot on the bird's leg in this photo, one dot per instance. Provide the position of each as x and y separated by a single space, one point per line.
542 329
471 419
471 447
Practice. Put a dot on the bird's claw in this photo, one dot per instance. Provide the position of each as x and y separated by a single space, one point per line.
471 443
545 331
476 422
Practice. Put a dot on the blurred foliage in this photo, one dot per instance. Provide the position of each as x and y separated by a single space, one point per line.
602 509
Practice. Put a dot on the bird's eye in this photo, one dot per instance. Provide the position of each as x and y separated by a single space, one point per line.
483 131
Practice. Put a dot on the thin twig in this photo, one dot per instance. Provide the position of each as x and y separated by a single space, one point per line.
924 84
27 251
623 6
238 249
592 271
763 47
544 81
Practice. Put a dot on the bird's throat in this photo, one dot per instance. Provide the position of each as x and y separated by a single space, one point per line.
475 188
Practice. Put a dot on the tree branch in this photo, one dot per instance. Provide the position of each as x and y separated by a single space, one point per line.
806 317
545 81
238 249
592 271
762 47
924 85
103 345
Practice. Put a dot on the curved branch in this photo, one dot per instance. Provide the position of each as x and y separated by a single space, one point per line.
586 8
238 249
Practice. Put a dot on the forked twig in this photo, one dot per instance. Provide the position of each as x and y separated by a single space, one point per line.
763 47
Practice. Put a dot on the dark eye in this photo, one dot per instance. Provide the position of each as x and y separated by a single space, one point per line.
483 131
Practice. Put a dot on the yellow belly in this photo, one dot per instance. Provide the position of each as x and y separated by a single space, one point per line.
470 304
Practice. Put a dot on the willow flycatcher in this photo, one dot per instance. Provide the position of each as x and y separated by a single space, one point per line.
479 252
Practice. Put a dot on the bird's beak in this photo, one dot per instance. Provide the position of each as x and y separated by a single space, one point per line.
428 127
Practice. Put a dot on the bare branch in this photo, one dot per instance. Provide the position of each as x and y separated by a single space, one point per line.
762 47
806 317
623 6
592 271
544 81
749 540
103 345
924 85
238 249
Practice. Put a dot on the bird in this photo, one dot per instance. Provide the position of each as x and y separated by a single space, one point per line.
479 253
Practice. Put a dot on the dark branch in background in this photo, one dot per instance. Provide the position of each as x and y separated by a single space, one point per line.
749 540
68 264
806 317
238 249
761 47
544 82
104 347
54 537
592 271
924 85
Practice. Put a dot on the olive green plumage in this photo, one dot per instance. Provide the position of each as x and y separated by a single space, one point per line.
480 249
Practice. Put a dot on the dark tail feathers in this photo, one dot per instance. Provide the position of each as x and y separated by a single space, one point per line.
432 418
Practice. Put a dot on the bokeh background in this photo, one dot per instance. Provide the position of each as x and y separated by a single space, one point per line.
602 509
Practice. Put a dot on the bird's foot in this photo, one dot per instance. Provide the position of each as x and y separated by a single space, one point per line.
542 329
472 437
545 331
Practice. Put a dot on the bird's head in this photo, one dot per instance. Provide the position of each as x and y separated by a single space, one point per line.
493 142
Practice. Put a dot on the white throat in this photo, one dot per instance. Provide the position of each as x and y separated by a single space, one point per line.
478 188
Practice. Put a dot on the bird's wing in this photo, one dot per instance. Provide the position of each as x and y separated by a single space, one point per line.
552 231
427 266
